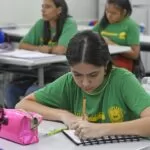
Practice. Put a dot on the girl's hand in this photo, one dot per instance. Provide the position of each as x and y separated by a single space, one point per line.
68 118
86 130
44 49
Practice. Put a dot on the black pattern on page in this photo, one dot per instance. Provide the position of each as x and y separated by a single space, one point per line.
102 140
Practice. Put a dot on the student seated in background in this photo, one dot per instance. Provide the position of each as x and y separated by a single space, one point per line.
117 27
50 34
116 103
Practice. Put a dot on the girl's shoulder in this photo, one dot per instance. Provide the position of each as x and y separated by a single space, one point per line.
70 20
39 22
130 21
121 73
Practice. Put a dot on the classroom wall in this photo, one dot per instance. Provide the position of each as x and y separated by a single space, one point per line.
28 11
83 10
19 11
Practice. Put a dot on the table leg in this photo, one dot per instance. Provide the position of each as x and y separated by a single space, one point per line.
5 81
41 76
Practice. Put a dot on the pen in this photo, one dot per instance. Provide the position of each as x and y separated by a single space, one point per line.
84 109
55 131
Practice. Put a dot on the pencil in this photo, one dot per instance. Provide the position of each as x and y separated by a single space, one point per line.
84 109
55 131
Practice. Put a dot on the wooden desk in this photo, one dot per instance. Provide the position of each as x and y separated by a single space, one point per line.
60 141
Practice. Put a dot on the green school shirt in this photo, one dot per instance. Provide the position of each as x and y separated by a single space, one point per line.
124 33
35 35
119 98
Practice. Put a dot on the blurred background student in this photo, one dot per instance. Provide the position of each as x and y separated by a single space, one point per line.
51 34
117 27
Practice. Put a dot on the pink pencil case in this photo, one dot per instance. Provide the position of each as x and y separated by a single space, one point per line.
19 126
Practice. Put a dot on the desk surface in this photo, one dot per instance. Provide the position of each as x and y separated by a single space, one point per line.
60 141
145 39
32 62
51 59
20 32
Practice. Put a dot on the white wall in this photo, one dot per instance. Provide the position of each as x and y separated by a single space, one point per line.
83 10
28 11
19 11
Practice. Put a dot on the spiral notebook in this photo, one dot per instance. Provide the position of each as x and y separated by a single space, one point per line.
103 140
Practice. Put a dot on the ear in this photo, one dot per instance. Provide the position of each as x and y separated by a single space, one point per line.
59 10
124 12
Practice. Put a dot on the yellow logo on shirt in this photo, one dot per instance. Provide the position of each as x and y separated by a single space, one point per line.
51 43
41 40
94 118
122 35
105 33
115 114
98 117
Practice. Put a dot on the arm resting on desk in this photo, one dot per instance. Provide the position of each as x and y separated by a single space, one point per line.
29 103
85 129
138 127
44 48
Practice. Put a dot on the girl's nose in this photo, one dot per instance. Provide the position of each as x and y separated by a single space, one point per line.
85 82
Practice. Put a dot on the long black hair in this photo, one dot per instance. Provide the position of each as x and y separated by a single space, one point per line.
123 4
89 47
59 25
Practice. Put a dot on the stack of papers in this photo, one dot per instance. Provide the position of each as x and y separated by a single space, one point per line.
26 54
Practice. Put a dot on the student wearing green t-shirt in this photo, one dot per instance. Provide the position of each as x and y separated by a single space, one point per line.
51 34
118 28
116 103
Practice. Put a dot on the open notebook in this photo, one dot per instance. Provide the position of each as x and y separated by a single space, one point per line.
103 140
25 54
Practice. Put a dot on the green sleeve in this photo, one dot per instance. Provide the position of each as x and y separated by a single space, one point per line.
133 35
96 28
135 97
54 94
69 30
34 34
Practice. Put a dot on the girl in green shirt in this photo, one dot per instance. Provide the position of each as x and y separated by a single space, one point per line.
117 27
116 103
51 34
